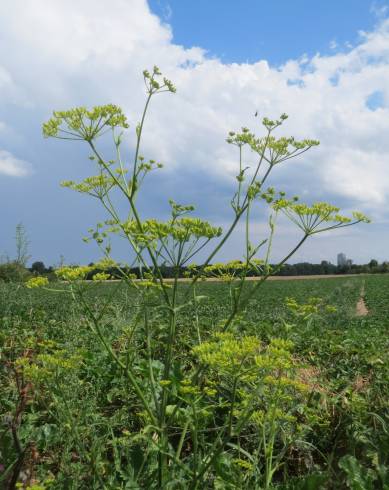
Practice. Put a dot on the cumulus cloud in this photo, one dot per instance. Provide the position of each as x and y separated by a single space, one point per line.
94 51
12 166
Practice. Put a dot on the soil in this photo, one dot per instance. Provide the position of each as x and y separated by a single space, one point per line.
361 308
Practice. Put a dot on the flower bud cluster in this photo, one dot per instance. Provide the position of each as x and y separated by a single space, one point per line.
146 167
155 82
270 124
179 209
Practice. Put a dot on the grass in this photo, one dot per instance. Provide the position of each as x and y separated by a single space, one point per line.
70 419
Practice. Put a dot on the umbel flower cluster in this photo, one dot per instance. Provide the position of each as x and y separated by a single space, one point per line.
317 217
273 150
83 124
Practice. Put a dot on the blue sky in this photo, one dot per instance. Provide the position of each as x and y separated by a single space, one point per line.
249 30
327 66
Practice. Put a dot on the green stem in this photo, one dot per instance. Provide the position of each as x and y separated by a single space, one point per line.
138 139
244 303
182 439
232 405
125 368
150 357
137 219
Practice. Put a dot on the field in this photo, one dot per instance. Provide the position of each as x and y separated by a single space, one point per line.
71 420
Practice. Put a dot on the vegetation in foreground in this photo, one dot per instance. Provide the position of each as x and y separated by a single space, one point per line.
71 419
175 386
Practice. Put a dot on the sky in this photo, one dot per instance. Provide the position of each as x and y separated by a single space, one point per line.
326 66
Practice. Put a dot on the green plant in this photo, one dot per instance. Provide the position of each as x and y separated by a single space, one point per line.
13 272
91 432
184 437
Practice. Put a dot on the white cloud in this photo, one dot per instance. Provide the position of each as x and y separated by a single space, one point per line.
12 166
60 54
5 77
380 11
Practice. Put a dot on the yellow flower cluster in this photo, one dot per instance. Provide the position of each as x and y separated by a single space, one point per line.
83 124
315 218
46 365
101 276
181 230
187 388
273 150
80 273
96 185
227 353
165 382
220 268
70 274
264 377
37 282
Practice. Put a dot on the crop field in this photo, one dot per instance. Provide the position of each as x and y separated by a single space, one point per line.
70 420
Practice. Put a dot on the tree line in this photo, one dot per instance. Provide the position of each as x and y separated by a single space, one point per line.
16 270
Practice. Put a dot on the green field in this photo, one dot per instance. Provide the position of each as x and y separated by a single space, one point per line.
71 420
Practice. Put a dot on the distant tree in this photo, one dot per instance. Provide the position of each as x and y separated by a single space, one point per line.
324 266
385 266
13 272
38 267
373 263
22 244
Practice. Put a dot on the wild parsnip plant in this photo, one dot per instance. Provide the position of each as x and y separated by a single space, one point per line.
216 410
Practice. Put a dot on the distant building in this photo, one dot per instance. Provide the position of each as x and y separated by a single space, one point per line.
349 262
342 259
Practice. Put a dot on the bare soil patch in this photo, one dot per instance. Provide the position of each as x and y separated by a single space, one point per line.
276 278
361 308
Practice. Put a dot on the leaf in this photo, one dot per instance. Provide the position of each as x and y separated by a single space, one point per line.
358 478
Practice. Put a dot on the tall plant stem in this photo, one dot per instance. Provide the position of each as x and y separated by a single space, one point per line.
245 301
137 219
139 130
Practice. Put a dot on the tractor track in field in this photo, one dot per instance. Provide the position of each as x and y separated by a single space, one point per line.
251 278
361 308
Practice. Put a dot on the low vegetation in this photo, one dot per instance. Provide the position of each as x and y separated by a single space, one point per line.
148 383
319 375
